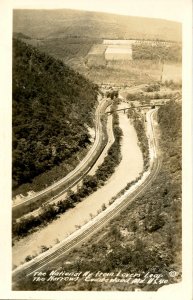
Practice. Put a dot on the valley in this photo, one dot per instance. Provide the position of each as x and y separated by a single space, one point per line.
99 176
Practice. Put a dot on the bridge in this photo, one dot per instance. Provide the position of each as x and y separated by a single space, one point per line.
134 107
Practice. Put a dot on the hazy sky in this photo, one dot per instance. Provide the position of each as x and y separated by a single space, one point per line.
165 9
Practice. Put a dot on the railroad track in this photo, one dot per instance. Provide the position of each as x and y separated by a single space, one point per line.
28 270
75 175
44 260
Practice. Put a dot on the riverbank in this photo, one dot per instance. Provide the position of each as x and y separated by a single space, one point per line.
128 169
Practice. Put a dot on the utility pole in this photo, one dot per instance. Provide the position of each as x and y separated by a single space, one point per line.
162 67
162 71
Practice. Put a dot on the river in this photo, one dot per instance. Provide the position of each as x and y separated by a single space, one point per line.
128 169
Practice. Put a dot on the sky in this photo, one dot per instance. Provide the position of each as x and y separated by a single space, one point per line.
165 9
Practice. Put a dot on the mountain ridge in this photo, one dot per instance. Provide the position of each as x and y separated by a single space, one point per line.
66 22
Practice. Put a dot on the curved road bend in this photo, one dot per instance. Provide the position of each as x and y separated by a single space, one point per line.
129 168
99 161
80 168
82 164
94 225
75 184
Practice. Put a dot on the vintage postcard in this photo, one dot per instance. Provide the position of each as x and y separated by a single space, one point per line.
99 136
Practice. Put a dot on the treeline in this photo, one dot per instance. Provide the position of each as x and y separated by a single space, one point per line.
138 123
89 185
145 237
171 139
52 107
169 53
140 96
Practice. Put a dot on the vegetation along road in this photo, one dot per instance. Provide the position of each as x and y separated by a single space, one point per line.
75 175
99 221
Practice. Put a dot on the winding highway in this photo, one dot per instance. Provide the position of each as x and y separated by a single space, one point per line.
84 233
75 175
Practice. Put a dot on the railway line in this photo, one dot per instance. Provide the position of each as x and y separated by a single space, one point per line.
76 175
29 270
44 196
96 224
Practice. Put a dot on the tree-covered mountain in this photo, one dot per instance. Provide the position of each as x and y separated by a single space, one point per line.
52 107
60 23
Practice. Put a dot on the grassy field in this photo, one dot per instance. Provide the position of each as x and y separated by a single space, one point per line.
76 53
123 73
172 72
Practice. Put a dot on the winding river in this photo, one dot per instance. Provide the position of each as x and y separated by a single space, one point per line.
128 169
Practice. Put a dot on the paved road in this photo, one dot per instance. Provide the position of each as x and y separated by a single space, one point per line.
104 153
96 224
79 170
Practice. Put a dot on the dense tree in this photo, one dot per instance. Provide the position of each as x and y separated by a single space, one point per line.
52 107
158 52
89 185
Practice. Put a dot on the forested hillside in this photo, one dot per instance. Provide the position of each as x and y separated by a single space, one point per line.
146 237
52 107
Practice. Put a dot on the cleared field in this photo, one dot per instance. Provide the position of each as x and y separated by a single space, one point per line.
120 72
97 49
74 37
118 52
87 56
96 55
100 53
118 49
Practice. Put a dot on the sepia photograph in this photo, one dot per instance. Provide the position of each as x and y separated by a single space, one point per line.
96 156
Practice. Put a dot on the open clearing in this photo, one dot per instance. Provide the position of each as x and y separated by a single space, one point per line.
118 52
